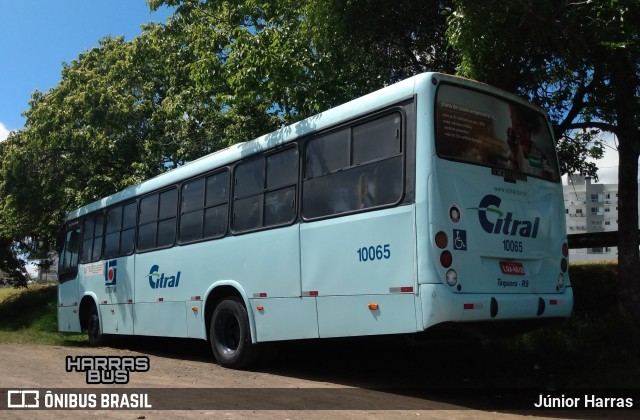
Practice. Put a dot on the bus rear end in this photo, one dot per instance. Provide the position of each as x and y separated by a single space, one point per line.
496 247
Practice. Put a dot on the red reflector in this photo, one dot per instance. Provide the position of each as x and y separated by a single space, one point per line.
313 293
403 289
553 302
104 302
512 268
196 298
160 299
468 306
261 295
130 301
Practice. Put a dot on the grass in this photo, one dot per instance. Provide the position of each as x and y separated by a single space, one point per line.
28 316
592 348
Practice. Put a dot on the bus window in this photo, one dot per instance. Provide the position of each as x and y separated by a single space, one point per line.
262 200
157 225
370 176
119 238
481 129
69 257
204 210
92 242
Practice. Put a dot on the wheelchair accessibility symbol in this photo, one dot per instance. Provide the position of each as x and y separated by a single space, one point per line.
459 240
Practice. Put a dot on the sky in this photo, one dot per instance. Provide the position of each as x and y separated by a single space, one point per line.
38 36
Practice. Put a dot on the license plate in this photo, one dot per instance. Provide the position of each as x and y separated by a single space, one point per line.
513 268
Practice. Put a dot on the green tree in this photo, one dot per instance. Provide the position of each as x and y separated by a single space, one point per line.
290 59
105 126
581 62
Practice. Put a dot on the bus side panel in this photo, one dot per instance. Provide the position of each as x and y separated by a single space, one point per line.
285 318
344 316
366 253
363 258
117 318
68 319
195 322
264 262
111 281
167 319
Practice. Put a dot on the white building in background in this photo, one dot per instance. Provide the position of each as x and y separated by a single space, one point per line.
591 207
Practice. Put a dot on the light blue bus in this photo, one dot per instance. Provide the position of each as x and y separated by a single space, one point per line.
434 201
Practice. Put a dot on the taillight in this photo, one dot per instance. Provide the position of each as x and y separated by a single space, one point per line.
441 240
452 277
446 259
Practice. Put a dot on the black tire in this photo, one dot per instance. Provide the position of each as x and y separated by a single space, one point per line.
94 332
230 335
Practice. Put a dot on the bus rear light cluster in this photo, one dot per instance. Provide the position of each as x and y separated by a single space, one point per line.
560 284
446 259
565 250
452 277
564 265
441 240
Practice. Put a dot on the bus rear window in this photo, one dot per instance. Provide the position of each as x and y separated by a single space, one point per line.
477 128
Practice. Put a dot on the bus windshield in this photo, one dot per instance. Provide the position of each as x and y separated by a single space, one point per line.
481 129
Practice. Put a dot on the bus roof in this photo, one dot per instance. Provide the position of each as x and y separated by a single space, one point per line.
347 111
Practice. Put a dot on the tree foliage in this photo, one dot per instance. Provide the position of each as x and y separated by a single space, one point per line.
216 73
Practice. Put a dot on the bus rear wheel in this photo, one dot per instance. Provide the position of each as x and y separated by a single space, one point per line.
230 335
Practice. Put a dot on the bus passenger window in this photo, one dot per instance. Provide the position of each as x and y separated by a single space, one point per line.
265 190
371 174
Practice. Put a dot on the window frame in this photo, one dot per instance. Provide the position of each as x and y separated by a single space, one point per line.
93 238
204 207
106 212
404 132
70 272
158 219
265 190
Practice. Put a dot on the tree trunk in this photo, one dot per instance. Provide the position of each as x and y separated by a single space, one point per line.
624 83
628 241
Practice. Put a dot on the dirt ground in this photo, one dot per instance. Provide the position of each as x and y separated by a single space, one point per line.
299 379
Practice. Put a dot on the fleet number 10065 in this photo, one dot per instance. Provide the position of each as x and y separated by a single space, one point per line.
373 253
512 246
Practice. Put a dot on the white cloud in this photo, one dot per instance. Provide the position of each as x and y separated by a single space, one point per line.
4 132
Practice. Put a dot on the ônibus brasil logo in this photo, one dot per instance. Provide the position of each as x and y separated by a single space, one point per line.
161 280
503 224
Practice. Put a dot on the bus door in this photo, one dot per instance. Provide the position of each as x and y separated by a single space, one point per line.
68 244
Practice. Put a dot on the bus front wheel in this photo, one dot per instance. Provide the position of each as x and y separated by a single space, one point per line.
230 335
93 328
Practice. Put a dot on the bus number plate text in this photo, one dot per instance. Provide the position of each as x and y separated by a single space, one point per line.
514 268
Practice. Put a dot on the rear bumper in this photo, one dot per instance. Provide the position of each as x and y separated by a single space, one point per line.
440 305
